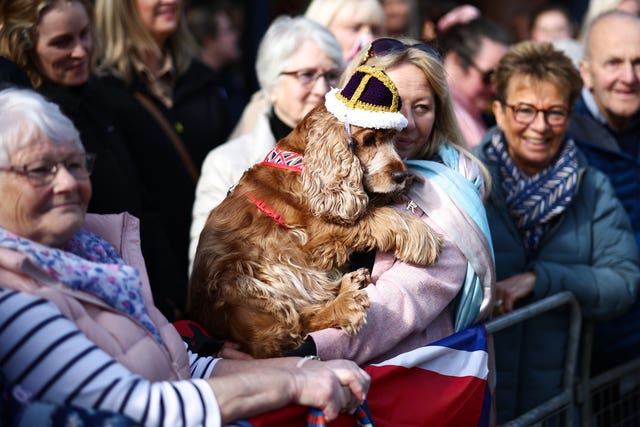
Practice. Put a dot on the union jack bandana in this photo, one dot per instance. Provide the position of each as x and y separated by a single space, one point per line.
284 160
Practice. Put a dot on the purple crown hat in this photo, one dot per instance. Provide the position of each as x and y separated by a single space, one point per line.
369 100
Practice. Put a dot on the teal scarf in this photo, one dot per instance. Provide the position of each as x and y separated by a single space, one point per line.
465 195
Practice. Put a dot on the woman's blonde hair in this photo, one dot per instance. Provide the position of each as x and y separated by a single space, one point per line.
19 21
445 128
124 36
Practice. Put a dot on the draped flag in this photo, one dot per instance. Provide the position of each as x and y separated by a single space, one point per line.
442 384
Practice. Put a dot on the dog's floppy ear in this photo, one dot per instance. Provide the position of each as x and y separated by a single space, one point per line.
332 174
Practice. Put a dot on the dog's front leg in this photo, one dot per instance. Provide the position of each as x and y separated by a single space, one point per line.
347 311
408 236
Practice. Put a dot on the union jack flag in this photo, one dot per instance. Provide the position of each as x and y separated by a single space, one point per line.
284 159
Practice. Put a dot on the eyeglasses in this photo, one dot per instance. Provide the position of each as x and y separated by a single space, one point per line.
525 114
384 46
309 76
486 75
43 172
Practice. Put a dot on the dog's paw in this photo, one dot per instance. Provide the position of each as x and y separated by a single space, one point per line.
352 301
421 245
355 280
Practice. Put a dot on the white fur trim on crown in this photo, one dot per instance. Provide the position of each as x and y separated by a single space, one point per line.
363 118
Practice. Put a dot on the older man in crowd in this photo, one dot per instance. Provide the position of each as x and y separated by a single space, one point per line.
606 126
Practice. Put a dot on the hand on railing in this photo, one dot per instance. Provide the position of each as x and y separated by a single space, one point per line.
511 290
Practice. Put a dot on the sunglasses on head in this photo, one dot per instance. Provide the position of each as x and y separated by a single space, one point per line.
384 46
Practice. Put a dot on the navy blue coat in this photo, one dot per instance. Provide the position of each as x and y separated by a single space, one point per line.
616 340
589 251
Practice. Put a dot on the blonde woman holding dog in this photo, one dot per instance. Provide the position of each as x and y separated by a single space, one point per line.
420 304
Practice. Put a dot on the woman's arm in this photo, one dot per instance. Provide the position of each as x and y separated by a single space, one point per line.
405 300
246 388
49 358
608 284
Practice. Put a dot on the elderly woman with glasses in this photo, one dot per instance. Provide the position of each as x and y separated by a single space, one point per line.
411 305
77 321
555 221
298 62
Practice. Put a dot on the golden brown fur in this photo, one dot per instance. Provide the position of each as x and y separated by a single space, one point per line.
266 285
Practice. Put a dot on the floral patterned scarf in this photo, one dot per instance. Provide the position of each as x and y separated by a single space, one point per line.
89 263
535 201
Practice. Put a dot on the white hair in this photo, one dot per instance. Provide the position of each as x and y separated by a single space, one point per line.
26 116
283 39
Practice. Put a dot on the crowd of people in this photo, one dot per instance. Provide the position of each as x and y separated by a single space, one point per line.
123 124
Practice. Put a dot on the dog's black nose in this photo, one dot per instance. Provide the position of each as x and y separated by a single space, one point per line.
399 177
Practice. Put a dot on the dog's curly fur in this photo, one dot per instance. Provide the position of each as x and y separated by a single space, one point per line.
266 285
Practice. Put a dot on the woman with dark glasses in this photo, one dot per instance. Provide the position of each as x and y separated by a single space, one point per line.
420 304
556 224
471 51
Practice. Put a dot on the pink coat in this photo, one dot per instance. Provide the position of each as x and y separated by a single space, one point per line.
411 306
117 334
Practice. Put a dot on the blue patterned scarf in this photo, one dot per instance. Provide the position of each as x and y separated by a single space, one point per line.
89 263
535 201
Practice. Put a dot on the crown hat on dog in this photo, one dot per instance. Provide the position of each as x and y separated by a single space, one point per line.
369 100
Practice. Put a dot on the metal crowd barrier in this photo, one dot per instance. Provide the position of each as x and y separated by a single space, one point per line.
560 408
608 399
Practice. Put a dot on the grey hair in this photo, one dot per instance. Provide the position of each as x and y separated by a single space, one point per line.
26 116
283 38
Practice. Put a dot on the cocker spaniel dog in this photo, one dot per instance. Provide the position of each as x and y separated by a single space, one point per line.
270 259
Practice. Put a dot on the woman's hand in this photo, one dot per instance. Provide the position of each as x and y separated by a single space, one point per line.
231 350
334 386
511 290
244 388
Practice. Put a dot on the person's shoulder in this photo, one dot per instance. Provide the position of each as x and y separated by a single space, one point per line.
197 74
480 150
468 160
114 228
596 182
12 74
226 152
240 152
199 67
108 76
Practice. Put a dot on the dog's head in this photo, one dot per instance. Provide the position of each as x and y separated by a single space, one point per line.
348 146
341 171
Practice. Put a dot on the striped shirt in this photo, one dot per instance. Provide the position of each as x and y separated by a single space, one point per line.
46 357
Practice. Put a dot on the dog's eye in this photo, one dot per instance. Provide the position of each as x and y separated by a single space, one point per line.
369 140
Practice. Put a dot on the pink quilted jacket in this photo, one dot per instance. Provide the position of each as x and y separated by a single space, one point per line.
119 335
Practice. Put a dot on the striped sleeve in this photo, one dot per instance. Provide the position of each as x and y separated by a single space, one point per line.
50 359
201 367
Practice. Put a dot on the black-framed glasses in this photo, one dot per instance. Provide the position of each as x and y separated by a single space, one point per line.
525 114
309 76
386 45
485 75
42 172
